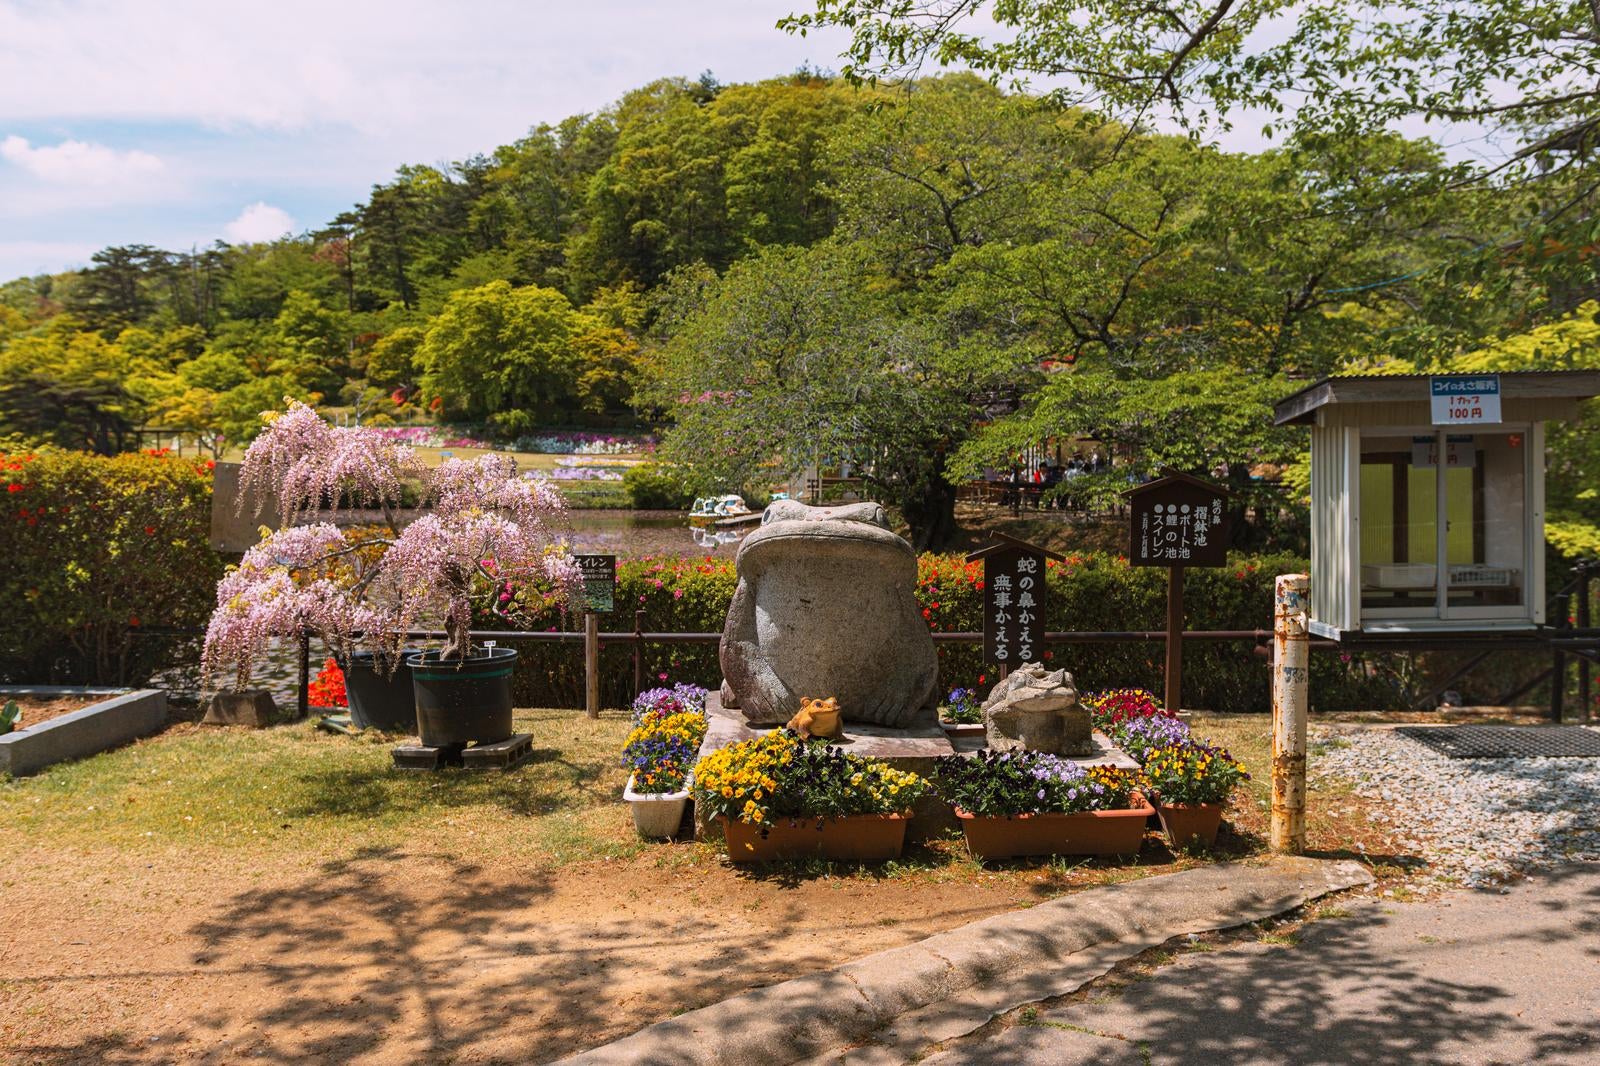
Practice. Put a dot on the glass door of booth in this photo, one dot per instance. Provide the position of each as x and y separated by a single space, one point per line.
1443 521
1486 527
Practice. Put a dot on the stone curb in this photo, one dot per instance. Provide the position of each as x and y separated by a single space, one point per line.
124 717
908 995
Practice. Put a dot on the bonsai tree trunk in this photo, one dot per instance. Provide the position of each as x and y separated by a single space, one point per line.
458 622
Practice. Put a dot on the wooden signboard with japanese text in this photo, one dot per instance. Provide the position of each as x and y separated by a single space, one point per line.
1014 600
1178 521
1175 522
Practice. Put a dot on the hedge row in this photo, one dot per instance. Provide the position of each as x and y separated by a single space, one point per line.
95 549
1087 592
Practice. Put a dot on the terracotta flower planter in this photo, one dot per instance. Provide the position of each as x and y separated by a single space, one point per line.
852 838
1186 822
1090 833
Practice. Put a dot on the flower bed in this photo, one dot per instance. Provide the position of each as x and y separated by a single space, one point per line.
112 717
779 796
963 707
669 725
1034 803
554 443
575 473
1189 780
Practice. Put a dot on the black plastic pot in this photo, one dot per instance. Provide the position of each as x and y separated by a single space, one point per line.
379 700
463 702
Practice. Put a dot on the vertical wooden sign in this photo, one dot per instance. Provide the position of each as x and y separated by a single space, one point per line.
1015 597
599 597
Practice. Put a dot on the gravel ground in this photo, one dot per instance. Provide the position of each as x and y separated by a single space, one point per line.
1476 821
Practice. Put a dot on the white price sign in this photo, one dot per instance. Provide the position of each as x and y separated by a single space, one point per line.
1465 399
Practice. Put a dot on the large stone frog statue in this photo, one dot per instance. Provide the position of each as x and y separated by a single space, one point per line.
826 604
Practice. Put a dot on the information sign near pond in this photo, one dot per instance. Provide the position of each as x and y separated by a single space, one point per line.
1176 521
1014 599
599 582
599 597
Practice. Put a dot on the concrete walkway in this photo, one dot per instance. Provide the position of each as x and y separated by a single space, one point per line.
891 1006
1469 977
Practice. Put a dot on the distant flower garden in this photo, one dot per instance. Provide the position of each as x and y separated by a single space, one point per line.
574 443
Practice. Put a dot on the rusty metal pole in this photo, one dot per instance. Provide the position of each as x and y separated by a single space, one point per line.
591 664
1290 675
1174 679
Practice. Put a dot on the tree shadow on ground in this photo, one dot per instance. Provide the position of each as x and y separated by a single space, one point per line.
547 781
1366 988
410 956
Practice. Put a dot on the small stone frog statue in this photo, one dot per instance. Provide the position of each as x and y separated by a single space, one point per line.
818 718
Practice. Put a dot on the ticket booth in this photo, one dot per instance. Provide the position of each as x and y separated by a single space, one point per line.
1427 497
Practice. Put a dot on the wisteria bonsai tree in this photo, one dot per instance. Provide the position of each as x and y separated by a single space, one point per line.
485 532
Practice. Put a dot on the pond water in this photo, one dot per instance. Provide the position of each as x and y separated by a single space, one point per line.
635 533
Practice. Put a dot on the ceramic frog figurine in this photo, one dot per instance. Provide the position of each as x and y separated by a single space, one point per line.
818 718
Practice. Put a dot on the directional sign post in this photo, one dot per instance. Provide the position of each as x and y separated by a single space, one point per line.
599 597
1177 521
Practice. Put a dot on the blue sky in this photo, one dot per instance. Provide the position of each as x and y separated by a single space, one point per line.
179 122
175 123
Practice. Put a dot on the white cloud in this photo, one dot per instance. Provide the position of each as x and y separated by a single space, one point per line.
79 162
382 67
25 258
258 222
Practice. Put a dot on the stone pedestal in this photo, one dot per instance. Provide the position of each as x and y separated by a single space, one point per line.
253 708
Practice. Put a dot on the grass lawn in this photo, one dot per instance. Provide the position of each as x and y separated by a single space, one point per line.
285 894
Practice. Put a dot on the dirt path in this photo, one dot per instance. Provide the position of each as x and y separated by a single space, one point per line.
394 957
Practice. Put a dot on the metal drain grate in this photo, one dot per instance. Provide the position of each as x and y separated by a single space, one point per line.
1508 741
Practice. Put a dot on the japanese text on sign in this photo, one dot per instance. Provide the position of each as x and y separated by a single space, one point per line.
1178 521
599 574
1014 600
1177 531
1459 399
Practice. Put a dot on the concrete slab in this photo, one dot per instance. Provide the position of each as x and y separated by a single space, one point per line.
1469 977
1043 1044
994 964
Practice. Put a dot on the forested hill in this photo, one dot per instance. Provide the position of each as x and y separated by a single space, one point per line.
594 211
921 281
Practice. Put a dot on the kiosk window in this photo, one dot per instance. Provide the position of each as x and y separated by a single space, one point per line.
1482 513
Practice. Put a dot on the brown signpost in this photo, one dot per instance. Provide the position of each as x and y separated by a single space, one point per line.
1177 521
1014 600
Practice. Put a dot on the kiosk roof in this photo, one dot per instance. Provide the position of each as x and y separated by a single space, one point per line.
1300 408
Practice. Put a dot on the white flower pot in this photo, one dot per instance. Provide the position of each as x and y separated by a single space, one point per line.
656 814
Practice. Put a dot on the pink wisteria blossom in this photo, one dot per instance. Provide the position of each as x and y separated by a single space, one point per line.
308 466
485 532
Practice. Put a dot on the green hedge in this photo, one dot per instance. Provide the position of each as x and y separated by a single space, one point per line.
1087 592
96 549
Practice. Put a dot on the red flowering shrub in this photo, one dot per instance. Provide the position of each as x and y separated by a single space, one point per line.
327 688
93 547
